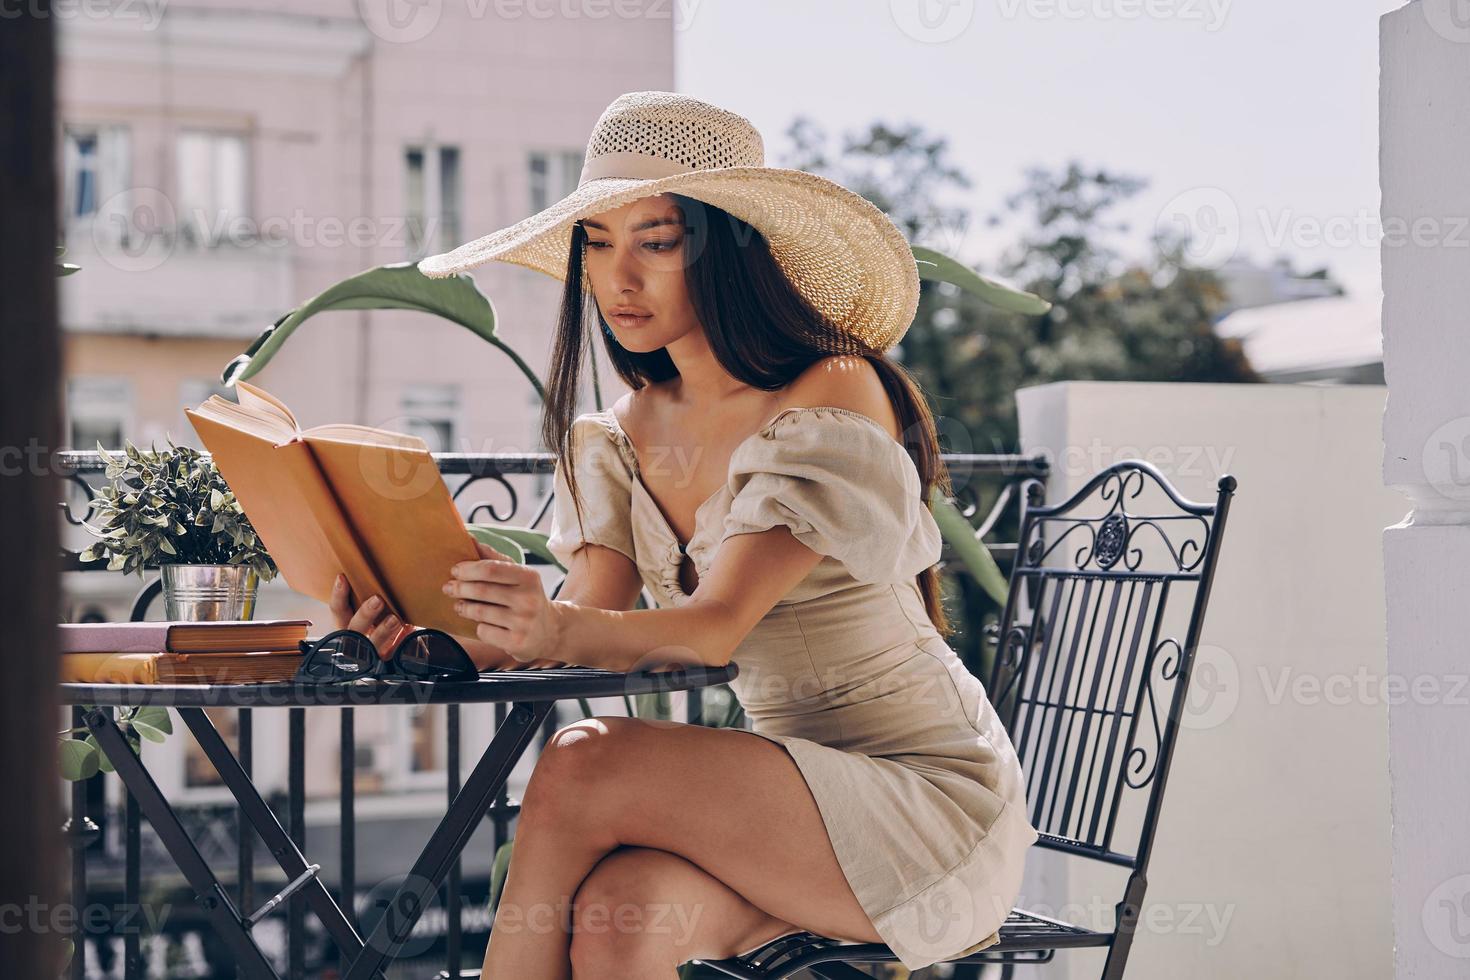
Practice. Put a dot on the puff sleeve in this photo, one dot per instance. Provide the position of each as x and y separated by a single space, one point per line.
843 486
604 480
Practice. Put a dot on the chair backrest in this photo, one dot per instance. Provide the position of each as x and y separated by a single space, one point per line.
1090 675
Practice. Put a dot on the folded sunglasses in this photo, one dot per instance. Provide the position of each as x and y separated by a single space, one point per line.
348 655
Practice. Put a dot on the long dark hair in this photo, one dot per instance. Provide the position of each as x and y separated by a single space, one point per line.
760 329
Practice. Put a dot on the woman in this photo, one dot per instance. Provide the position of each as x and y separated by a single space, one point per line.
766 480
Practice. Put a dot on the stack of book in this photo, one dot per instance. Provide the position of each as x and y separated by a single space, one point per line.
258 651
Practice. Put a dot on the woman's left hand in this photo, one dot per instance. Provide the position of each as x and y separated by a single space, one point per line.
508 604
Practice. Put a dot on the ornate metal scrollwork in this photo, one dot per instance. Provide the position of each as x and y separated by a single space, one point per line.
1164 661
1114 538
473 509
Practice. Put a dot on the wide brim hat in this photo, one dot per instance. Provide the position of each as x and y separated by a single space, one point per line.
840 251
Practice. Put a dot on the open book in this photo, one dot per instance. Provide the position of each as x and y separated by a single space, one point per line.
365 502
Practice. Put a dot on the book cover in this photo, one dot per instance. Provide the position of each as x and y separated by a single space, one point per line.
183 636
260 667
366 502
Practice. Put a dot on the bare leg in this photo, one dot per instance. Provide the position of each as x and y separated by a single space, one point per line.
641 912
730 803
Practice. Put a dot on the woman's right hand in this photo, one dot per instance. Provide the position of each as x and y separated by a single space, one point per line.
385 631
371 618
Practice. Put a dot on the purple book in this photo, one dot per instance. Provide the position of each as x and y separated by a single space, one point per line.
183 636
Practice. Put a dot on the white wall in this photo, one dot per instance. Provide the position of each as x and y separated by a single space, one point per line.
1272 856
1424 103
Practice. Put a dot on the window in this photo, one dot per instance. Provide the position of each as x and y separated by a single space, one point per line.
395 748
432 203
96 163
552 176
98 409
432 411
212 185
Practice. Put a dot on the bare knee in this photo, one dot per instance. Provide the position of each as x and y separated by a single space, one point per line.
576 761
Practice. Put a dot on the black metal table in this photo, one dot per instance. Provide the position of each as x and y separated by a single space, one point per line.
532 694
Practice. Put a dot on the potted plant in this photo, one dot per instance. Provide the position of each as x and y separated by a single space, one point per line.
172 510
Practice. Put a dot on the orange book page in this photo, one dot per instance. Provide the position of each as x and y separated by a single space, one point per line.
292 509
397 500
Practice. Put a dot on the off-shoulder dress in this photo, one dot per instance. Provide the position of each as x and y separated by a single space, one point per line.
917 781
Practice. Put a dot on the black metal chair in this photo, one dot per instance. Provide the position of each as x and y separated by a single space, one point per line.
1080 675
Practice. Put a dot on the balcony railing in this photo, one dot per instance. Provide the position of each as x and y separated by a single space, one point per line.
987 492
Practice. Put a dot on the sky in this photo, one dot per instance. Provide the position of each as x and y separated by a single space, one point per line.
1255 122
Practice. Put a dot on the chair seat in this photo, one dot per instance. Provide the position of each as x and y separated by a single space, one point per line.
1025 937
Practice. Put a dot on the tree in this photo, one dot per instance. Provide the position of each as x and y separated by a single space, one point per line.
1110 320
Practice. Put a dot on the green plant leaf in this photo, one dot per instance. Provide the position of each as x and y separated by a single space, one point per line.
78 760
396 286
156 716
938 267
496 538
148 731
528 539
499 868
103 762
971 552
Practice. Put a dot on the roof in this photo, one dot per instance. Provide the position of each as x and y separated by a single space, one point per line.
1309 334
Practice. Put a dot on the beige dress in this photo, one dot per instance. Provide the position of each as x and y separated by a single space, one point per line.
917 781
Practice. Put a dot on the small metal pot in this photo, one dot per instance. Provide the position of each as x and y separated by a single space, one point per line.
209 592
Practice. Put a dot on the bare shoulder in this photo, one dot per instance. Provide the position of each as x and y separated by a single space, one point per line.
844 381
627 409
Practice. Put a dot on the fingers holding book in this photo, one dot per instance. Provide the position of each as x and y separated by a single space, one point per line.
371 618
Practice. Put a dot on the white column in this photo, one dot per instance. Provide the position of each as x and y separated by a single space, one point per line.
1424 125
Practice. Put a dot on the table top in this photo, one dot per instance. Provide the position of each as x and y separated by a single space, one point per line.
550 684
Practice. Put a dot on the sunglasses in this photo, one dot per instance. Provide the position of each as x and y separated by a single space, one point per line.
347 655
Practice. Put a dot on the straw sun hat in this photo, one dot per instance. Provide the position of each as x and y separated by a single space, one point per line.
841 252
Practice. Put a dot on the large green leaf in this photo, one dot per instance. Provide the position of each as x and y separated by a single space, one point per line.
396 286
78 760
938 267
496 538
525 538
970 550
